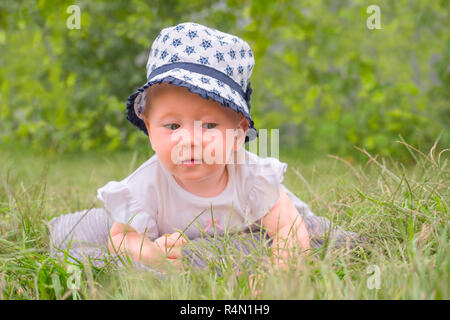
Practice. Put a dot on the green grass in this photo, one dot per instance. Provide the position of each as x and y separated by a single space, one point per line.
403 211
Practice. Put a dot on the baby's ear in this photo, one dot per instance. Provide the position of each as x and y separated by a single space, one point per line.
243 123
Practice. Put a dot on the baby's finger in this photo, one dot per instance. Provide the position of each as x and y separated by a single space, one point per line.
165 240
173 252
177 239
162 242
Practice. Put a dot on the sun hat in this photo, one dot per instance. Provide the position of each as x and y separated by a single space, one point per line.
208 62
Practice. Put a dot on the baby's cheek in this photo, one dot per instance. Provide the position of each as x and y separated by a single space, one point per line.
163 146
213 151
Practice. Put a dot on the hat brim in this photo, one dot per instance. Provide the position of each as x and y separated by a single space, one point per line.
206 87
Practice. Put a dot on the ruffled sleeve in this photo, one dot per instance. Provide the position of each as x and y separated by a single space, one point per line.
123 207
263 187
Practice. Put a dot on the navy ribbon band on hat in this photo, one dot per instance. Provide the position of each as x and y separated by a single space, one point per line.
208 71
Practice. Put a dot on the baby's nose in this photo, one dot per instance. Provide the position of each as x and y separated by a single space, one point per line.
195 133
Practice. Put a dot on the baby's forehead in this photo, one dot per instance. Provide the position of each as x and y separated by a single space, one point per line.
171 99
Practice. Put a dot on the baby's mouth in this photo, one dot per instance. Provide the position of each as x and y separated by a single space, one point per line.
191 161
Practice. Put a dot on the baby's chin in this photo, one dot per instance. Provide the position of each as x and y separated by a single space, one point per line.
196 172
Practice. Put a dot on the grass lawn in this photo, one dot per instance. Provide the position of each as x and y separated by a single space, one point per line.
402 210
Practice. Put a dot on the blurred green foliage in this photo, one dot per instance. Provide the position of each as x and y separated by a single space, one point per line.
321 76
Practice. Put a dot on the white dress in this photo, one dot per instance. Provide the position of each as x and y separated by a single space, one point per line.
153 203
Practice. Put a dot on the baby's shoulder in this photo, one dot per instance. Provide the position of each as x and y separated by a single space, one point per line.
146 175
148 166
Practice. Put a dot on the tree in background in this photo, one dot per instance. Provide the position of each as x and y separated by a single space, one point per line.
322 77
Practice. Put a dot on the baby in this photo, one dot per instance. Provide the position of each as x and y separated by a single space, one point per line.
195 184
195 109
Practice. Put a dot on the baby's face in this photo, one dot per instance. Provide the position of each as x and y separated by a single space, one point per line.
184 126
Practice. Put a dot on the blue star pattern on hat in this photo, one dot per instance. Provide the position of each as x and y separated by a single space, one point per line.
209 62
226 48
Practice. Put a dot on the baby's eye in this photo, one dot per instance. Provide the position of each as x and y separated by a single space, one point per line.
210 125
171 126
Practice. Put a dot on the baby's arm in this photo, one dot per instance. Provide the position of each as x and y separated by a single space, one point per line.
286 228
125 240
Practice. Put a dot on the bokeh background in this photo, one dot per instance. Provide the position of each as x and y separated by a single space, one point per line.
322 77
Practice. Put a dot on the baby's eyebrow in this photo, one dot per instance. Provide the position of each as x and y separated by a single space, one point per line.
200 116
168 114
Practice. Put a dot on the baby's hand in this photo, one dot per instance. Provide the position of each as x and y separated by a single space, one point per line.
170 244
